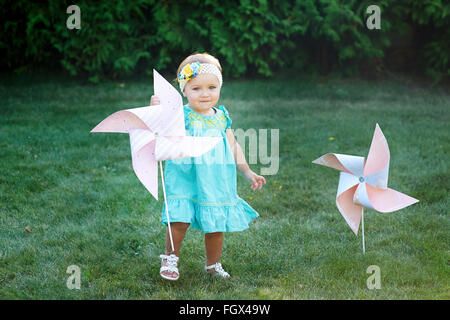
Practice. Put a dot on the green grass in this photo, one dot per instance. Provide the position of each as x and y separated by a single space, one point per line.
78 194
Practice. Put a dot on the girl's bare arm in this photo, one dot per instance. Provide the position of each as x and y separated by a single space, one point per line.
257 181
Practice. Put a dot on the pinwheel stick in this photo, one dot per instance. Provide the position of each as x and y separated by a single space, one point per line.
167 210
362 229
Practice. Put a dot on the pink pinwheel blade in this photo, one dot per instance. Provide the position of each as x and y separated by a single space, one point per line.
120 121
146 168
388 200
379 156
351 212
168 148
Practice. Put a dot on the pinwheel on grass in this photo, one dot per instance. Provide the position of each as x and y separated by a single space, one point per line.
364 183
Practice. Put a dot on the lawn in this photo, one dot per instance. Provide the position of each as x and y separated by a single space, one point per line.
84 206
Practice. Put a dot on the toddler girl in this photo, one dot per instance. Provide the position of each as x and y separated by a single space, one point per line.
201 192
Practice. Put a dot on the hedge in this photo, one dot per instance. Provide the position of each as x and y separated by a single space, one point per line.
120 38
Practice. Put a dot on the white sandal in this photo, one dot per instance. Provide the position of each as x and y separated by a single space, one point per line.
172 261
218 270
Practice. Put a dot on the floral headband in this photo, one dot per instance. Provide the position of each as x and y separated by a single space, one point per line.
191 70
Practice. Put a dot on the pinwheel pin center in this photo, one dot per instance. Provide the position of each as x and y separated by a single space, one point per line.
361 179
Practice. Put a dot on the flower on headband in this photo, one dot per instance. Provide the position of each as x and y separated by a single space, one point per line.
189 71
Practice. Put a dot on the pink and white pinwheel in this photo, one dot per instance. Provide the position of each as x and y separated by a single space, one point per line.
364 184
156 133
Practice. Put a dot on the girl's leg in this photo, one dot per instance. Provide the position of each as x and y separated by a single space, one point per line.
178 232
214 245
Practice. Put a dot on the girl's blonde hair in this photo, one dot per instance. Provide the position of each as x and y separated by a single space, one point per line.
200 57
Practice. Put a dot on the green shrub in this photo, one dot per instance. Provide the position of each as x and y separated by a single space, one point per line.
435 15
120 38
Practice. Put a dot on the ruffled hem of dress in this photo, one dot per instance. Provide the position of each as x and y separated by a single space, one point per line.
210 218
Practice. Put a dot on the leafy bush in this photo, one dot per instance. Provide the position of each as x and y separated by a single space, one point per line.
119 38
435 15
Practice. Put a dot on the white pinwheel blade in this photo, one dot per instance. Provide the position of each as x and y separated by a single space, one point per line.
140 138
171 120
183 147
379 179
342 162
144 164
346 181
155 118
121 121
361 197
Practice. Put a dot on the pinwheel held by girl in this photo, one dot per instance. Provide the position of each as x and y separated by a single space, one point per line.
201 192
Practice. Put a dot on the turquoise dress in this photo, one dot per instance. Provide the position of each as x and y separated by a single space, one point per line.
202 190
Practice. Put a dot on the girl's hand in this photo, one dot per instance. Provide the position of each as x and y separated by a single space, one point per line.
256 180
154 101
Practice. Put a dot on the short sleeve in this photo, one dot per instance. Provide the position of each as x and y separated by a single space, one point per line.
187 112
227 116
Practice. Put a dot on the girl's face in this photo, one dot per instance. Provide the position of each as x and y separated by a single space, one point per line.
202 92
